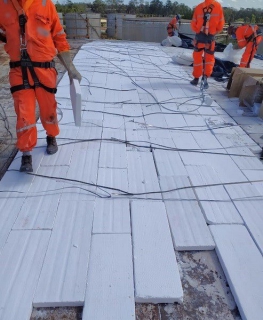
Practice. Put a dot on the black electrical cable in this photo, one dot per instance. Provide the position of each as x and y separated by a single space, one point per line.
151 146
127 193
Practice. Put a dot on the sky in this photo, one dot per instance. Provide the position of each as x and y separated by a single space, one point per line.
237 4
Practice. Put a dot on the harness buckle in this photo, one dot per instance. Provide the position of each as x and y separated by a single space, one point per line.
22 23
207 16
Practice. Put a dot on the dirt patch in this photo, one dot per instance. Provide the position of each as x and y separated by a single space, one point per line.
57 314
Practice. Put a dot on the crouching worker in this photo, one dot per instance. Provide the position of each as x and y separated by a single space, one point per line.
247 36
208 20
33 36
173 26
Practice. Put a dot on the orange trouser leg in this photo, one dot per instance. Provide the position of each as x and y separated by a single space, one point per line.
209 64
48 111
247 55
209 59
25 102
198 61
25 105
47 102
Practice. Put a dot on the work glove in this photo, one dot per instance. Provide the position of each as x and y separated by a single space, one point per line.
65 59
235 46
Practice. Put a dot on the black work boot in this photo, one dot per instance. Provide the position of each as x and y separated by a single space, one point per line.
52 146
195 81
26 164
261 155
205 83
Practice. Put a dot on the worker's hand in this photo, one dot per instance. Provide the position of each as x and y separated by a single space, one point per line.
73 73
65 59
235 46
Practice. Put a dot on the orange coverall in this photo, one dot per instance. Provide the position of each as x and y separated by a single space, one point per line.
247 37
45 38
204 39
172 26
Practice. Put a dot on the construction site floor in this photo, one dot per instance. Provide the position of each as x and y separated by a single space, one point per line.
206 291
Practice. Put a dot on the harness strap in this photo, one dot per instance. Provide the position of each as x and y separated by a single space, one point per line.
22 87
18 8
25 63
207 15
209 51
45 65
206 48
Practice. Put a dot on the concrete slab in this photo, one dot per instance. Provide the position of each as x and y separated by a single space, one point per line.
10 207
113 155
38 212
252 214
188 226
184 140
64 283
111 216
110 291
223 165
169 163
142 174
223 212
239 191
242 263
152 245
113 134
176 188
21 260
112 179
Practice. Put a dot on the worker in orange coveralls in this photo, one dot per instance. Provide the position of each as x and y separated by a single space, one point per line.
247 36
208 20
34 35
172 28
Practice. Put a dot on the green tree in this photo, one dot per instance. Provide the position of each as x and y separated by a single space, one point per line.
156 7
168 8
253 18
131 8
185 11
98 6
230 14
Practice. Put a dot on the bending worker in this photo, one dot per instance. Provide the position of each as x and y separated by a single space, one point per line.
247 36
33 36
172 28
208 20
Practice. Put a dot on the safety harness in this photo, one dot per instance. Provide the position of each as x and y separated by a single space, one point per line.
25 62
207 15
253 37
204 36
